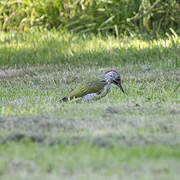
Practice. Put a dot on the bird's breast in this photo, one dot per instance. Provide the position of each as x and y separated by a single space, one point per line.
88 97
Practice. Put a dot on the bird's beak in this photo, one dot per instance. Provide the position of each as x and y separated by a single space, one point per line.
119 85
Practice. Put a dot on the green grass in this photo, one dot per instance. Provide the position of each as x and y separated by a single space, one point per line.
88 162
134 136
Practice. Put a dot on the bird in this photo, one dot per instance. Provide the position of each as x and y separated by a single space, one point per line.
95 88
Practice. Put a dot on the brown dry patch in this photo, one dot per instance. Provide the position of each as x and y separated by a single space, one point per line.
17 72
7 73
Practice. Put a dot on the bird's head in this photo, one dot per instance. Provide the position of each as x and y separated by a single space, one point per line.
114 77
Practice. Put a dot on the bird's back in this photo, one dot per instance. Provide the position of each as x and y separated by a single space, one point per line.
87 87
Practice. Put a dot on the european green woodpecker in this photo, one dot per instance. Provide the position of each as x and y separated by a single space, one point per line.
96 88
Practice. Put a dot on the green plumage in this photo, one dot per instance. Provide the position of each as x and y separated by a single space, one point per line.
96 88
87 87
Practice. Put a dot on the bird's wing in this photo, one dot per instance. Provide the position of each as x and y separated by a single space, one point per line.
87 87
102 94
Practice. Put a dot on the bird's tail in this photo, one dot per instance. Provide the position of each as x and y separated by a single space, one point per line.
65 99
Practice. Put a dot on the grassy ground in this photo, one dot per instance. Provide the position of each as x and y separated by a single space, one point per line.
130 137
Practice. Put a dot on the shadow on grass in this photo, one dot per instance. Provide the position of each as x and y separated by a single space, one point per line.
107 140
82 52
53 130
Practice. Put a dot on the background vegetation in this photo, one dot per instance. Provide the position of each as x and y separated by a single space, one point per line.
116 16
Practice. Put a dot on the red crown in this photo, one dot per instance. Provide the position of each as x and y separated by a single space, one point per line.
111 71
